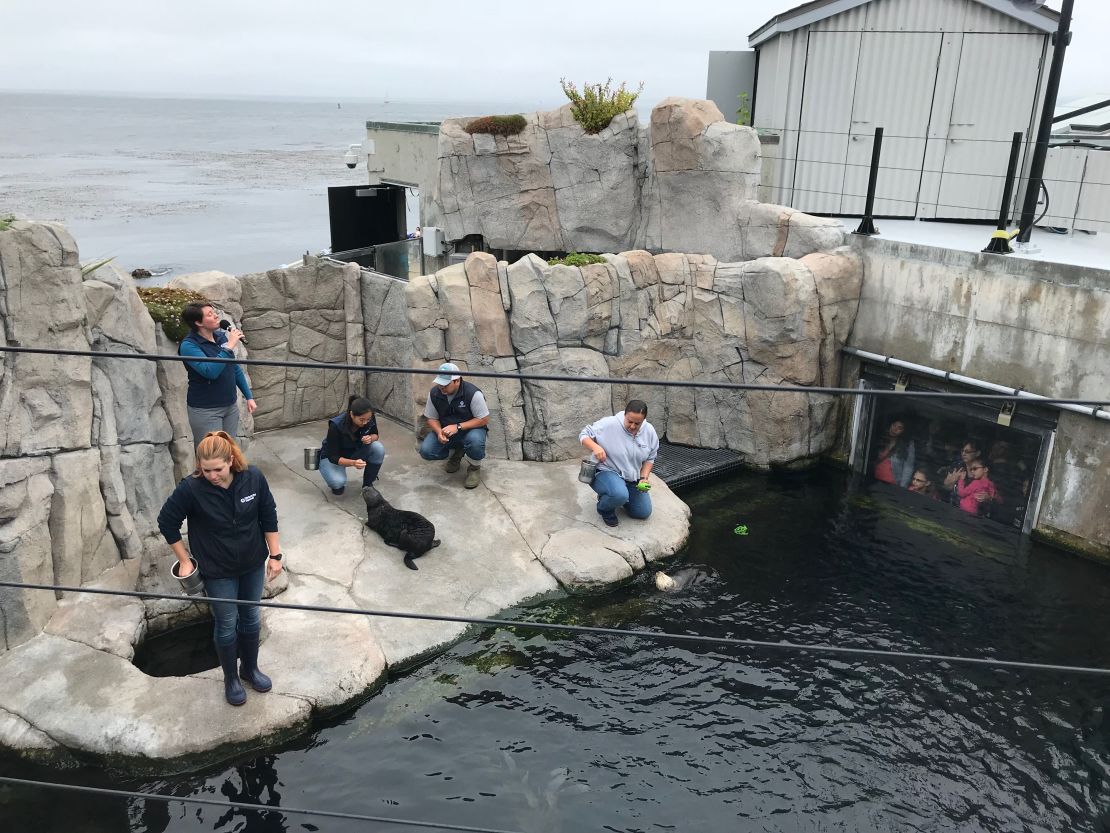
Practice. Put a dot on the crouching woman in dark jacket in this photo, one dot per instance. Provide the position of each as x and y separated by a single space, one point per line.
233 535
351 442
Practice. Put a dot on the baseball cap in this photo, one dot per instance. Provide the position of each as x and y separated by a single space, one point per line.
447 374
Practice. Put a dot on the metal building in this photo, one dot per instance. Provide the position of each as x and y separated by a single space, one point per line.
950 81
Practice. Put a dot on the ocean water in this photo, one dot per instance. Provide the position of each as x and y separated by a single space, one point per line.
188 185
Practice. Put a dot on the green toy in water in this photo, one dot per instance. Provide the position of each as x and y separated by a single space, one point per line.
741 530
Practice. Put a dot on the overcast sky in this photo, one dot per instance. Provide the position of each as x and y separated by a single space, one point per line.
504 51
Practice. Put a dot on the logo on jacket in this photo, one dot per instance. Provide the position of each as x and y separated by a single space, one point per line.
248 498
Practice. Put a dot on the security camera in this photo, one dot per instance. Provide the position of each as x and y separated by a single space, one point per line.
1028 5
351 156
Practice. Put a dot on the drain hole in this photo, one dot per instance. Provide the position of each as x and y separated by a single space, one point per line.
178 652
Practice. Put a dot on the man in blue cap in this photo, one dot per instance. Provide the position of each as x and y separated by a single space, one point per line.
457 417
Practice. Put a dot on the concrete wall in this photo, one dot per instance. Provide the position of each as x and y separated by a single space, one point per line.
403 154
731 73
1041 326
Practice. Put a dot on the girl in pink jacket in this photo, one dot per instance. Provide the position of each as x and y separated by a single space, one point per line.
977 490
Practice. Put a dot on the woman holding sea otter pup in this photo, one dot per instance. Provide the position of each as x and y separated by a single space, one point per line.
233 535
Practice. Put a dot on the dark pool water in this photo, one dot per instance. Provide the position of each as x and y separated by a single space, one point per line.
548 733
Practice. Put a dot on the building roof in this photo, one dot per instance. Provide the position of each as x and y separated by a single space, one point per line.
1046 20
1096 122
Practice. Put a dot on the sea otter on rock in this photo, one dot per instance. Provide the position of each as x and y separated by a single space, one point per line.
408 531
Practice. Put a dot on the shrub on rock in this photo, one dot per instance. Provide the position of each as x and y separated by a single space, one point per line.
598 104
497 125
165 306
575 259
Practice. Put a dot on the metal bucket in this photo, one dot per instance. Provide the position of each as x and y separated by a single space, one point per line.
192 584
312 459
587 471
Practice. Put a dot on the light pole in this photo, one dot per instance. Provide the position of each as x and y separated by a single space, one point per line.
1060 43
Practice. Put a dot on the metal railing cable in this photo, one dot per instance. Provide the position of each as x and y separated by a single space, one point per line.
846 164
242 805
655 636
552 377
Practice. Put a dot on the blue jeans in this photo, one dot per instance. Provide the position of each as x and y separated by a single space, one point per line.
231 618
472 442
336 476
615 492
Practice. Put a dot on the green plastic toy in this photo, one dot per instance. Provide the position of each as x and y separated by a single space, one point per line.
741 530
643 486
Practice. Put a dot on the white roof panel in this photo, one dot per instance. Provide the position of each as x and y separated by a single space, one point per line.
1043 20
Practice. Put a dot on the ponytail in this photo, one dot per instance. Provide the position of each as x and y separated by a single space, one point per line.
219 445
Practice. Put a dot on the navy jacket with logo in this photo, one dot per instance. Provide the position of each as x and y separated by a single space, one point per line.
456 410
226 526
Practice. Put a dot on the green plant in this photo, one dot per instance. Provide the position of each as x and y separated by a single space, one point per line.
744 111
165 306
498 125
90 267
575 259
598 104
6 222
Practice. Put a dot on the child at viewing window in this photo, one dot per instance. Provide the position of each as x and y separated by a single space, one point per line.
977 489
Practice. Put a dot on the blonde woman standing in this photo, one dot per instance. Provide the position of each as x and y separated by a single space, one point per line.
233 535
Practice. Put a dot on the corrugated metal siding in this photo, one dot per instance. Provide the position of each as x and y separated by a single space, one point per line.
983 121
1093 212
899 103
913 15
1063 176
825 121
770 88
998 98
980 18
853 20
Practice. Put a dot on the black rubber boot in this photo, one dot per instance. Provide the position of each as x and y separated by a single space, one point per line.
233 689
248 668
370 473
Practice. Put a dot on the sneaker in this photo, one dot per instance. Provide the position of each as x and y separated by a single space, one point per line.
339 491
610 518
473 476
454 461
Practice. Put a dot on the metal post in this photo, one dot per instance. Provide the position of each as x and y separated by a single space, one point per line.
867 224
1000 240
1044 133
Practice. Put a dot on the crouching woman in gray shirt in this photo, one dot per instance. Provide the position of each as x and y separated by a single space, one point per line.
624 446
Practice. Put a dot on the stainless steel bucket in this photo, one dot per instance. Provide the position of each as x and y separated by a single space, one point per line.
587 471
192 584
312 459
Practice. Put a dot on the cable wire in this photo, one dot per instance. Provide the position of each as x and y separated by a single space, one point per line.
656 636
240 805
1018 393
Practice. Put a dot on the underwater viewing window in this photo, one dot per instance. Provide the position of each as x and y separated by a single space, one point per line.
983 460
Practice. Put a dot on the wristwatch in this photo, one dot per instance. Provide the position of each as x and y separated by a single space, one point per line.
277 556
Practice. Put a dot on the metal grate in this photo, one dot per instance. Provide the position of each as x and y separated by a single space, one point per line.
679 465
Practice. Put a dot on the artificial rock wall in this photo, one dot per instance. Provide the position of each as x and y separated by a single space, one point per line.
89 447
686 182
672 316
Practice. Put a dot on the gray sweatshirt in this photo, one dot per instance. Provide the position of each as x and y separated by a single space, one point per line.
624 454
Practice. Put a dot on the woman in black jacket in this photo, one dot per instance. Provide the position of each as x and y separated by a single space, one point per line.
233 535
351 442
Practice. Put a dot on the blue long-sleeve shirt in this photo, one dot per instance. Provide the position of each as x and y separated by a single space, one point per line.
212 384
